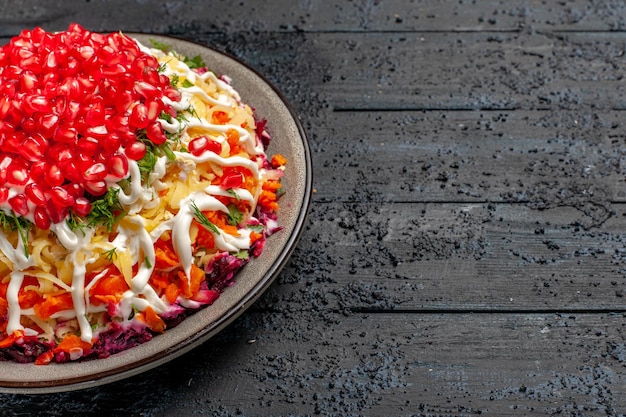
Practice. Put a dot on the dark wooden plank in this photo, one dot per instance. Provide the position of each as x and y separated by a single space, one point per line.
372 365
181 17
504 156
472 70
456 257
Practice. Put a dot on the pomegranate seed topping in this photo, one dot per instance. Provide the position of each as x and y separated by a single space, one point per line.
36 103
82 206
198 145
139 116
56 213
112 143
61 197
65 134
155 133
232 180
76 190
71 106
38 170
34 147
17 173
35 194
19 204
96 188
41 218
54 176
118 165
96 172
135 151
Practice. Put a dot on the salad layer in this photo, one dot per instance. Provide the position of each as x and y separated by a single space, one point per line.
134 184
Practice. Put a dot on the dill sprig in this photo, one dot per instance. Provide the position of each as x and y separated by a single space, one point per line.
201 218
106 211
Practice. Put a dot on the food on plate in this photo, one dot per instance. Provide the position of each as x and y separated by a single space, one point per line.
134 184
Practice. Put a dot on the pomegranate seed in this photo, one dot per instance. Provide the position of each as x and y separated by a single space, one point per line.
71 172
112 143
54 176
61 197
82 206
17 173
139 116
154 108
38 170
135 151
19 204
35 194
65 134
34 147
88 145
97 132
146 90
76 190
95 188
28 80
56 213
36 103
198 145
4 194
155 133
117 165
41 218
96 172
46 124
232 180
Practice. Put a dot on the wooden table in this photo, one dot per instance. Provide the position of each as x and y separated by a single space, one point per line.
465 251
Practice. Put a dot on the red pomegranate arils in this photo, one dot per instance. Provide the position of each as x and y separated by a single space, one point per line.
72 105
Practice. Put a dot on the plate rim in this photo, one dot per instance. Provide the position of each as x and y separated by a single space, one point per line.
135 367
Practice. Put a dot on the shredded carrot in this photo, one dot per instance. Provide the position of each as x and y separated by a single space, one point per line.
45 358
271 185
153 321
72 342
109 288
278 161
220 117
232 136
205 238
172 292
190 287
53 304
12 338
165 256
254 236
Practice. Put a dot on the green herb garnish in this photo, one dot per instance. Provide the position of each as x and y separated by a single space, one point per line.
201 218
258 228
235 216
111 254
160 45
75 223
10 222
242 254
233 193
194 62
187 84
106 210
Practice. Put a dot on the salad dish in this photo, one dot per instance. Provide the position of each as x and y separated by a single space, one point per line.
150 190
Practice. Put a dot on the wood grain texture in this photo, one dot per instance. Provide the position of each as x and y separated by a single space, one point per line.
465 252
